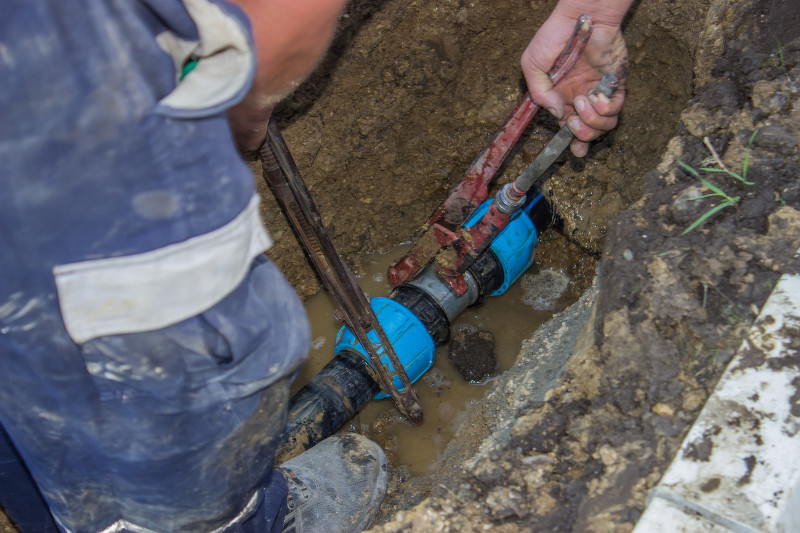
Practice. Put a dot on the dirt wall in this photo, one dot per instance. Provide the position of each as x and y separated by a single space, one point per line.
412 91
674 301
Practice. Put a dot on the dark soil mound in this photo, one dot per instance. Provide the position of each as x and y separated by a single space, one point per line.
472 353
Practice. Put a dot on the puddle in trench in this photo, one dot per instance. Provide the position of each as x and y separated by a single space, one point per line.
446 398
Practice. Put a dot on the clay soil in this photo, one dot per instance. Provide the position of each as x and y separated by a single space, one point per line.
410 93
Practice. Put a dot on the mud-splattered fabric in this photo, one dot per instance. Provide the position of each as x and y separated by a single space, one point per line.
111 158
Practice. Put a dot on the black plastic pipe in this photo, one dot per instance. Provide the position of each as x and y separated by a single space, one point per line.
346 384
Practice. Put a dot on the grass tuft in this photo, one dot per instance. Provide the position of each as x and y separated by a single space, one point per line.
716 191
727 201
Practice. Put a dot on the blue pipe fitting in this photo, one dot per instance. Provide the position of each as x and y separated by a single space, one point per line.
515 246
409 337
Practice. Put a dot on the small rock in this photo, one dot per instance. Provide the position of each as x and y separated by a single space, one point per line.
700 122
487 471
544 503
466 493
775 137
505 502
768 97
663 409
686 201
608 455
693 400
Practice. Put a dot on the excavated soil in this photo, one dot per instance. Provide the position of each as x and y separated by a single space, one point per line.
472 353
408 96
412 91
411 94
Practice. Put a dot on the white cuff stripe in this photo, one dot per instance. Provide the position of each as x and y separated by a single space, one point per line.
155 289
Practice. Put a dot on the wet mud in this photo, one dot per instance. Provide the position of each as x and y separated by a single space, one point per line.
472 353
452 387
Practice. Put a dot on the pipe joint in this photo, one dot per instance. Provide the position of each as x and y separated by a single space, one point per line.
452 303
510 199
411 342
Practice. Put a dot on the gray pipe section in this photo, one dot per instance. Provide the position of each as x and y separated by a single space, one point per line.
452 304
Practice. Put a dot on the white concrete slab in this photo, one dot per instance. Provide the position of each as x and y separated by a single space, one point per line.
739 466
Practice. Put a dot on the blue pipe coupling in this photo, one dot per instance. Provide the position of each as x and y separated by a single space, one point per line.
515 246
416 317
412 344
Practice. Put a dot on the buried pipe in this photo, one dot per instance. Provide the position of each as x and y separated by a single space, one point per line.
416 317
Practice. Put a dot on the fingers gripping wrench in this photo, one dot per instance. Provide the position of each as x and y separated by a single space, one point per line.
443 227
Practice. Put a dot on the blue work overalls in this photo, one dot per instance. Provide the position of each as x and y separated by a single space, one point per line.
146 344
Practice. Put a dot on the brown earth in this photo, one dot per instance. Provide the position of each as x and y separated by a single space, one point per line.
409 95
471 352
412 91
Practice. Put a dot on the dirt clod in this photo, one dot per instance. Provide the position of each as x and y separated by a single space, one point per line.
472 353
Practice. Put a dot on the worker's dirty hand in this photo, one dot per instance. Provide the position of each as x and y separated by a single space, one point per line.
249 126
571 102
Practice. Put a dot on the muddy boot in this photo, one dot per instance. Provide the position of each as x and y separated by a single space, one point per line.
336 486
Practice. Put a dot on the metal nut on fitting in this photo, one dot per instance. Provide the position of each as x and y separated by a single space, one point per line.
507 199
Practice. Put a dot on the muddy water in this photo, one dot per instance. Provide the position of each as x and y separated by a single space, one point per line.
446 397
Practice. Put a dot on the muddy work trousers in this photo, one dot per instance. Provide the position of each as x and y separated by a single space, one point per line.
160 439
146 343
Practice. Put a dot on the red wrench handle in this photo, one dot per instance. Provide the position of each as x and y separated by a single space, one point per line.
473 187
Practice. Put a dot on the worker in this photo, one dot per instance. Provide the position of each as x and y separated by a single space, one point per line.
146 343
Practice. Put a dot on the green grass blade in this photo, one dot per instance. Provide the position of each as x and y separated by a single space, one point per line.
743 177
713 187
705 182
706 216
731 173
689 169
746 161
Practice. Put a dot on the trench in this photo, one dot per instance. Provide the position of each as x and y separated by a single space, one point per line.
445 394
407 98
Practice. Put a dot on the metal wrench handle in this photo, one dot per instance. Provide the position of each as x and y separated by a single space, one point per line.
608 85
509 199
284 179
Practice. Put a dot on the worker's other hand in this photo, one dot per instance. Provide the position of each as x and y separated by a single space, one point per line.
291 36
588 115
